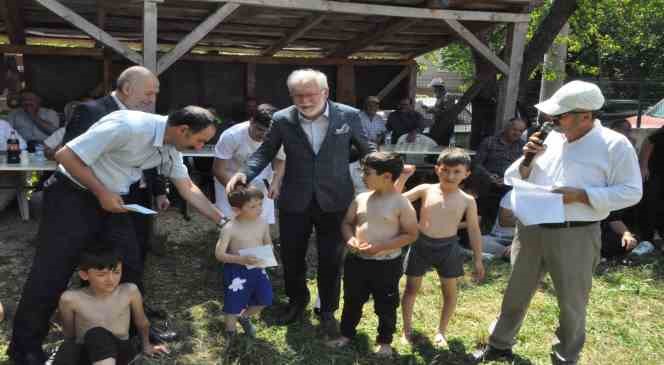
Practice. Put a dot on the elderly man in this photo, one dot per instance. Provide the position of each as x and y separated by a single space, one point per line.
405 121
32 121
233 149
373 124
596 171
494 155
85 206
316 135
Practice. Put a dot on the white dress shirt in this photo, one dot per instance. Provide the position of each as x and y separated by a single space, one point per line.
316 129
602 162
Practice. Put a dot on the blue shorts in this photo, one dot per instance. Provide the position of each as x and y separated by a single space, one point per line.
245 287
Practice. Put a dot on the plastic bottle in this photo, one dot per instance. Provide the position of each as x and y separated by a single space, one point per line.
13 149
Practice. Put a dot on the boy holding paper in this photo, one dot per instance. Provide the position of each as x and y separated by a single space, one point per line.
247 288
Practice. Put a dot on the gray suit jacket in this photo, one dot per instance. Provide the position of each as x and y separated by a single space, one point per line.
325 175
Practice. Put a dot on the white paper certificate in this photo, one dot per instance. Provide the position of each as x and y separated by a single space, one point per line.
263 253
138 209
534 204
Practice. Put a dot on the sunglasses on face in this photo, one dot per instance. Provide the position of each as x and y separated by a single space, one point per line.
557 118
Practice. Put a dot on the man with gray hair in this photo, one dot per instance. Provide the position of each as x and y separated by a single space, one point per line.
316 135
596 171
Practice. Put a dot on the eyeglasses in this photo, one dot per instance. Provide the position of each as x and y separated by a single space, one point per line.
557 118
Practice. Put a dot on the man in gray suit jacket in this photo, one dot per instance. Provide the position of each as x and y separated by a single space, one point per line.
317 136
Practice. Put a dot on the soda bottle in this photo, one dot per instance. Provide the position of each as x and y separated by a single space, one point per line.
13 149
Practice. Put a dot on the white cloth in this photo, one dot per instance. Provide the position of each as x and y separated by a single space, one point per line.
5 132
55 139
374 126
235 146
316 129
602 162
124 143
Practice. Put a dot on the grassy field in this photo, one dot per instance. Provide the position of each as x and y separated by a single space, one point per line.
625 322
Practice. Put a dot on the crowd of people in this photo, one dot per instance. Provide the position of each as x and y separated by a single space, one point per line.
114 151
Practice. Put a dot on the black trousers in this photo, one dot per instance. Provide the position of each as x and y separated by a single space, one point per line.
378 278
143 223
72 221
295 230
98 344
651 206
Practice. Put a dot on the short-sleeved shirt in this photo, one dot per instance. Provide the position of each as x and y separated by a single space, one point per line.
401 123
656 163
495 155
374 126
25 126
122 144
235 146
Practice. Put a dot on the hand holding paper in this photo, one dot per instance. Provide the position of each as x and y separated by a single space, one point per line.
138 209
534 204
264 253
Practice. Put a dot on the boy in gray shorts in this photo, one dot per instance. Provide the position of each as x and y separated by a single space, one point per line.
444 206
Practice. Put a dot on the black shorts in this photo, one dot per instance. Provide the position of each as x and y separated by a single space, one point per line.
444 254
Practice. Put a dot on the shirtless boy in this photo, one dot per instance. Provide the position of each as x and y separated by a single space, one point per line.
444 206
377 225
246 291
95 319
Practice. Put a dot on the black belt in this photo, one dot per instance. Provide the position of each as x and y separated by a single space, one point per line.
568 224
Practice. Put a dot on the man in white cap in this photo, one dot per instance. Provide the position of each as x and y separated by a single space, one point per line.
596 171
441 121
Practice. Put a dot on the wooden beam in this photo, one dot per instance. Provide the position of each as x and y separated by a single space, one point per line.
90 29
150 46
50 51
383 10
518 44
12 12
395 81
478 45
302 28
380 31
346 85
195 36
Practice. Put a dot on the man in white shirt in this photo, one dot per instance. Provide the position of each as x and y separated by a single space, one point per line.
596 171
233 149
32 121
372 123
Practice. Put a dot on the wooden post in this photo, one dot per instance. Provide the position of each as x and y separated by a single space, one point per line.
346 84
250 81
12 12
510 86
108 65
150 45
412 82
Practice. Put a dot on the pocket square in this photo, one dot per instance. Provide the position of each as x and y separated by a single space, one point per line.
343 130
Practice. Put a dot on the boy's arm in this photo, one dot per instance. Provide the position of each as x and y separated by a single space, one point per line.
348 224
141 321
416 193
475 237
406 173
67 314
220 251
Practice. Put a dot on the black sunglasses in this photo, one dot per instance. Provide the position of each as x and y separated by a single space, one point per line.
557 118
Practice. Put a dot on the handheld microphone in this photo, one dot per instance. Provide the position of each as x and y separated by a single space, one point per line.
543 130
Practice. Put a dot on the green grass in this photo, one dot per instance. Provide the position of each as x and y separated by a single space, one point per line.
625 323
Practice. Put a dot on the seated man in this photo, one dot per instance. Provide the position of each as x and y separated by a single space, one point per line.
53 143
494 155
617 239
95 318
8 178
404 121
372 123
32 121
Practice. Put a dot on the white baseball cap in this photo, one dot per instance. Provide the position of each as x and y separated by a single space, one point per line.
574 95
436 81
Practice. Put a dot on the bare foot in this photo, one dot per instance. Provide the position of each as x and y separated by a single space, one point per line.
338 342
439 340
383 350
407 338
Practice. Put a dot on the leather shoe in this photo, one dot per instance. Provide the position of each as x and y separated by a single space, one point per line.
490 353
158 335
292 314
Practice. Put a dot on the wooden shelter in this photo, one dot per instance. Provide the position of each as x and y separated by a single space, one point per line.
345 34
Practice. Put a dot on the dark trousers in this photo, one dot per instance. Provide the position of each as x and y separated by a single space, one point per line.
72 221
378 278
143 223
295 230
651 206
98 344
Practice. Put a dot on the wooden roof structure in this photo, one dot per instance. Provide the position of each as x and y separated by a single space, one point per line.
156 33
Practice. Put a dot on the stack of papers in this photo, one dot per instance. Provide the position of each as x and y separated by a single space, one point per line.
263 253
535 204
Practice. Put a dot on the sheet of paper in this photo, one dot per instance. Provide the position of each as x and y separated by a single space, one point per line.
535 204
263 253
139 209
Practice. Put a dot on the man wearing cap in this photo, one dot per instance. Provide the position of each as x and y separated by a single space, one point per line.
372 123
596 171
443 104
